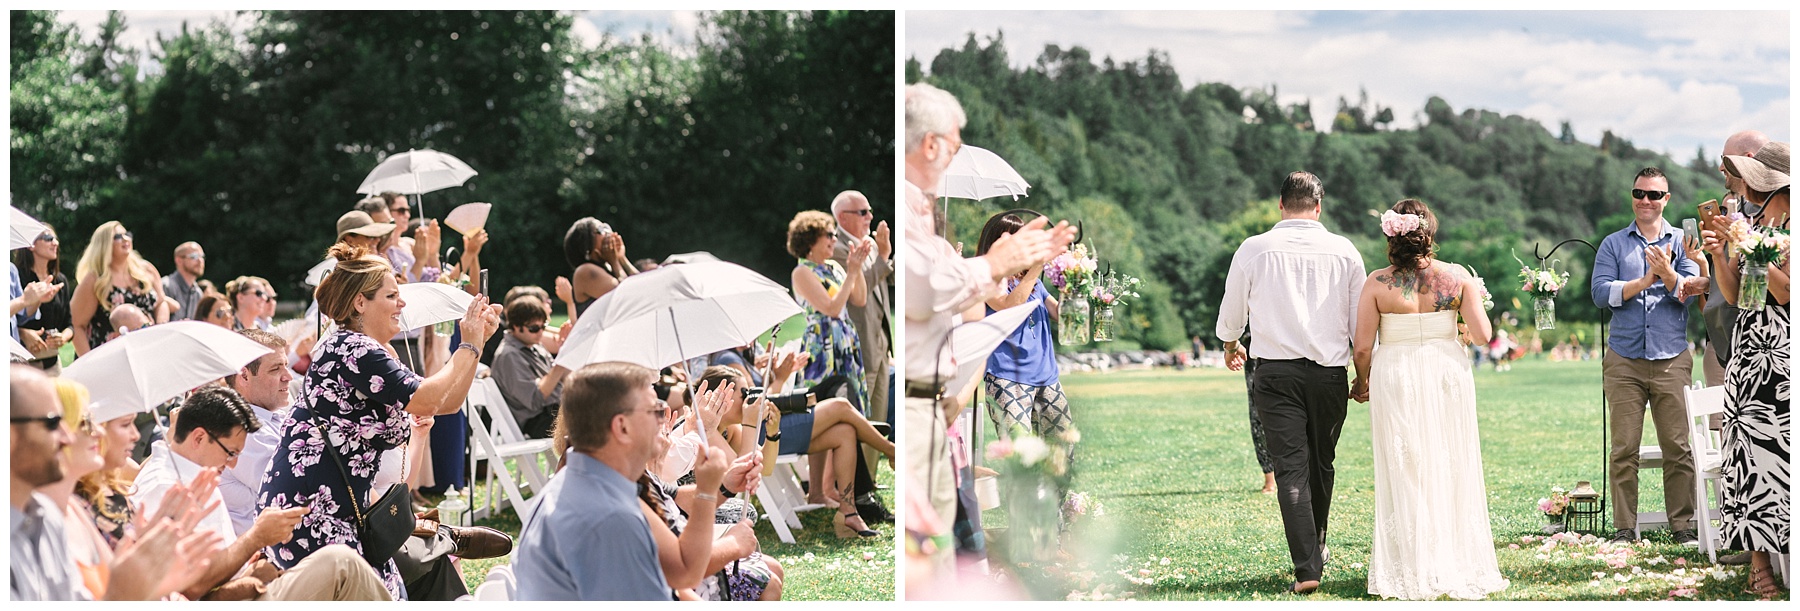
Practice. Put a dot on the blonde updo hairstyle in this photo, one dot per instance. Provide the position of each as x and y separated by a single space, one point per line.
359 271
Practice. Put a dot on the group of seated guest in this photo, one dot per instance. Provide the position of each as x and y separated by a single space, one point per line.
620 447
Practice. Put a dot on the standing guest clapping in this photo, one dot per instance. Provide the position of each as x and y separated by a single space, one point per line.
825 292
597 254
45 334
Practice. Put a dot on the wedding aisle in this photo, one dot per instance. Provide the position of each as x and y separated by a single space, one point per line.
1168 454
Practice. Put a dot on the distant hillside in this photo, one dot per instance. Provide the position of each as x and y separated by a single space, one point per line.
1169 178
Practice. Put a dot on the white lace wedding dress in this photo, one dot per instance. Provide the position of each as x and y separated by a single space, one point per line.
1432 536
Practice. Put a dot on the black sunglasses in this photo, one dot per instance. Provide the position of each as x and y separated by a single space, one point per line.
400 209
258 293
123 235
51 422
862 212
1649 195
532 328
46 237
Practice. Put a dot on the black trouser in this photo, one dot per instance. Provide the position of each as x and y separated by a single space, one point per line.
1302 405
425 567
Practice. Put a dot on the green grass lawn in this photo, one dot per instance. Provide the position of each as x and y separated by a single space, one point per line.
1169 454
819 566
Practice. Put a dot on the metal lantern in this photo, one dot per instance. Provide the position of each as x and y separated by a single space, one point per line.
1586 510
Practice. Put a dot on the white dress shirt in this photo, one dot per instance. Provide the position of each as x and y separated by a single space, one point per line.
1302 282
940 284
163 470
239 485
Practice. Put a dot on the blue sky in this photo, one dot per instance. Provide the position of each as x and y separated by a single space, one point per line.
1668 80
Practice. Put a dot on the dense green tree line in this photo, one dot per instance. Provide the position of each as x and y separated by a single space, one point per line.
254 142
1168 179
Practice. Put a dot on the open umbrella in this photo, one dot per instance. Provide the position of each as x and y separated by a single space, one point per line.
144 368
978 173
16 350
429 303
418 171
25 229
665 315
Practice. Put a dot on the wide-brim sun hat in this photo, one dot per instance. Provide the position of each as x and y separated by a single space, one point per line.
1767 171
360 223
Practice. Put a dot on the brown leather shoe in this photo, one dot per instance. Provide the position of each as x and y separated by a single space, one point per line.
476 542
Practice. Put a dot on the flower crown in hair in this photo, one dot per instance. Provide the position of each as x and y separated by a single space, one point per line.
1395 223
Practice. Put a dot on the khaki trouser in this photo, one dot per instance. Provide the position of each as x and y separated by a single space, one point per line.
1630 384
875 380
928 465
335 572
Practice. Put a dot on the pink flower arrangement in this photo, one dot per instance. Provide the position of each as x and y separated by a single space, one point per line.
1394 223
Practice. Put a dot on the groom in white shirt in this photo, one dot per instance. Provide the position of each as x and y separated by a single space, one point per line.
1302 282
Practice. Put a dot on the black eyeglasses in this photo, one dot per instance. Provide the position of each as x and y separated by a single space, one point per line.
50 422
1649 195
46 237
121 236
229 454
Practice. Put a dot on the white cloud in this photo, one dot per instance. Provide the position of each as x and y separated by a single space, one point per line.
1667 81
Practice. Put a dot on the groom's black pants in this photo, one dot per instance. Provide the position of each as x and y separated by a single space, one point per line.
1302 406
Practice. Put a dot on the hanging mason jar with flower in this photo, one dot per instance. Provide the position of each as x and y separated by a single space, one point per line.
1759 247
1542 283
1072 273
1108 294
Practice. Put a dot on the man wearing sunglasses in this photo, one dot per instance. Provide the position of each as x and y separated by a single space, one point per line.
182 285
521 366
1636 274
854 217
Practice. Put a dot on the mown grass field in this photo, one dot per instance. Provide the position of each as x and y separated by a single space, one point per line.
1169 454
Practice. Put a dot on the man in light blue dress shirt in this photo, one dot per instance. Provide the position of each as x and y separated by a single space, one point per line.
587 538
1647 360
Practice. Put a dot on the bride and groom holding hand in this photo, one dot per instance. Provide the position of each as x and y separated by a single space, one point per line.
1312 303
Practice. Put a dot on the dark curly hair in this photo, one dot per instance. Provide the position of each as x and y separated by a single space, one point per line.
1407 249
806 229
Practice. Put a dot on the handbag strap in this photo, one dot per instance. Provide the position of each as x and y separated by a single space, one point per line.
331 450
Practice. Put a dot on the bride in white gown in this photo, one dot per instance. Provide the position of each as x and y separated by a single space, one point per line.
1432 535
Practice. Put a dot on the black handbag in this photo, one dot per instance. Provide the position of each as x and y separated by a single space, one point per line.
387 523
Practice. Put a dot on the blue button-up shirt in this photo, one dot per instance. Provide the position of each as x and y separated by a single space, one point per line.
1652 324
588 540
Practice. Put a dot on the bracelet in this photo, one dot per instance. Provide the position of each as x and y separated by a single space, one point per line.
773 437
749 426
706 496
471 347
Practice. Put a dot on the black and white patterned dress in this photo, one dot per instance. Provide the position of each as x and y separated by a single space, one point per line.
1755 432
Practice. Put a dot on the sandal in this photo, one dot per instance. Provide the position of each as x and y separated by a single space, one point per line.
1762 583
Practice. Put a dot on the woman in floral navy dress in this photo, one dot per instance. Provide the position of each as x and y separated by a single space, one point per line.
359 396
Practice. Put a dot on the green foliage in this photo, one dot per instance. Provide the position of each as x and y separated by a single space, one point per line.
1178 166
262 140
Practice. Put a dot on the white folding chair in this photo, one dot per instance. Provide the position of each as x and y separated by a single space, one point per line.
499 585
1702 403
782 498
499 441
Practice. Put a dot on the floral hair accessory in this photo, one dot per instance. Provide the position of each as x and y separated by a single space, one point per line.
1394 223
